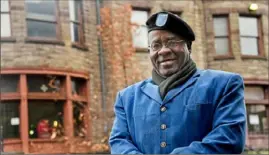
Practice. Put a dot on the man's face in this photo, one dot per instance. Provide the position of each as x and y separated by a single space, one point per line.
166 61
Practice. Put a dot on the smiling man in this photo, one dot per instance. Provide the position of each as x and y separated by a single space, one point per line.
181 109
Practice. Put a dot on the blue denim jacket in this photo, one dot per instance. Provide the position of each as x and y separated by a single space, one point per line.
204 115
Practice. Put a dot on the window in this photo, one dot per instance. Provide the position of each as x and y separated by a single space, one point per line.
249 35
254 93
41 18
9 83
257 119
140 32
41 83
221 31
257 115
78 118
5 19
77 86
43 102
9 119
76 21
45 119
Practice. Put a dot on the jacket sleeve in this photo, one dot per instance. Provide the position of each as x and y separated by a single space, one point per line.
120 139
229 124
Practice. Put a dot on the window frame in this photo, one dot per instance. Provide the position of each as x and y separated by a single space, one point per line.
81 42
134 8
41 39
229 54
65 95
260 41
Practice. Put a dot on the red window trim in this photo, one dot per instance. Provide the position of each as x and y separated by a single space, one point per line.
68 97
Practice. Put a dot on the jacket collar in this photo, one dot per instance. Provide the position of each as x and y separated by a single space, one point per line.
152 90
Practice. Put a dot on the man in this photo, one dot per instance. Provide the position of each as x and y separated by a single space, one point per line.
180 109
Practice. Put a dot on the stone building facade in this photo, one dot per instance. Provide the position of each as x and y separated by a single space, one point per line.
55 60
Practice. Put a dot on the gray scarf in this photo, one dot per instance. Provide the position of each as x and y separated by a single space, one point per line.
187 69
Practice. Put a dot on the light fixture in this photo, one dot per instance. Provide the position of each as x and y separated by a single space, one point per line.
253 7
31 132
55 123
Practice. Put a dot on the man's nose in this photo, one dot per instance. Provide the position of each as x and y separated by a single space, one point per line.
164 50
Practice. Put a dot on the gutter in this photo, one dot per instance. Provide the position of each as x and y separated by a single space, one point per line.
101 59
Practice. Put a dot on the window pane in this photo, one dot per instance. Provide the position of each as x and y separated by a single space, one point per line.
4 6
72 9
78 117
75 32
41 6
75 7
220 26
140 33
222 45
249 46
248 26
41 29
139 17
42 83
140 37
254 93
78 86
257 119
9 83
5 25
78 9
45 119
9 119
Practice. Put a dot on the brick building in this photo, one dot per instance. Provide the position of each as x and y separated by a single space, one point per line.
59 80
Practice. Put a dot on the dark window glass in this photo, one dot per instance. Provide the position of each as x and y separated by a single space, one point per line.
9 83
41 7
44 83
78 117
45 119
38 28
78 86
75 32
9 119
257 119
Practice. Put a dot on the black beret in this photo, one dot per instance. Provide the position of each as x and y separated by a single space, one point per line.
171 22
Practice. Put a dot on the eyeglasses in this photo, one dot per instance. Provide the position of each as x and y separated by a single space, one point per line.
172 44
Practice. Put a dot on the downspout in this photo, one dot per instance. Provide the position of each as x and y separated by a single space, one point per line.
101 59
